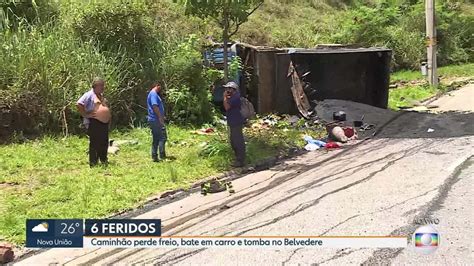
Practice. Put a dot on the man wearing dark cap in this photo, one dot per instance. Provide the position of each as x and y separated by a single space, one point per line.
235 122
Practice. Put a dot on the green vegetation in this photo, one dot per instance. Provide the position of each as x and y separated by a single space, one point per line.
399 25
413 89
466 70
409 96
46 65
50 177
228 15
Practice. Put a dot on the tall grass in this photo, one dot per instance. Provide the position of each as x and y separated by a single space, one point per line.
45 67
44 72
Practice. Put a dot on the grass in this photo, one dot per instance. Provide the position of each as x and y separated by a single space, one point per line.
466 70
409 95
50 177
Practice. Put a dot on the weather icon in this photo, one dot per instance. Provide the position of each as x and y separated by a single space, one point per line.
42 227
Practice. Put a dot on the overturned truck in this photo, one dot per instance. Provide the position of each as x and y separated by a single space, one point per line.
292 80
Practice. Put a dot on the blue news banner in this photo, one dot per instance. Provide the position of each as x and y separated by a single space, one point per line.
70 233
54 233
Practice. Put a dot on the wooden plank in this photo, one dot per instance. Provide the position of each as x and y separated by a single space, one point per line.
299 96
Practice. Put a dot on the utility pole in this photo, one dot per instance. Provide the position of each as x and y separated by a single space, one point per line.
431 42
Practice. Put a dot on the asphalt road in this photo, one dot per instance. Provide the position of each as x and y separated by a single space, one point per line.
379 186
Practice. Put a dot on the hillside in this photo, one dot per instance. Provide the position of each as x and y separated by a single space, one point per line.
51 49
399 25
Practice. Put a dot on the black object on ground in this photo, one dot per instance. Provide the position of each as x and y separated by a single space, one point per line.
339 116
358 123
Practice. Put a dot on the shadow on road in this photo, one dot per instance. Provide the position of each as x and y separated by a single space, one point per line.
407 125
430 125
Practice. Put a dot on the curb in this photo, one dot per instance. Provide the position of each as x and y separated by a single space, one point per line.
452 87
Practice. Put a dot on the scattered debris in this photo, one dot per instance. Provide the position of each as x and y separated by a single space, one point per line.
205 131
339 116
266 122
358 123
332 145
6 253
216 186
270 122
301 100
432 106
316 142
224 207
125 142
419 108
113 147
455 81
367 127
404 83
170 193
354 111
285 122
293 119
311 147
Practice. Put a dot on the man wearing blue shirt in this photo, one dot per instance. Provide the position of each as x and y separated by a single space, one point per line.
156 120
235 122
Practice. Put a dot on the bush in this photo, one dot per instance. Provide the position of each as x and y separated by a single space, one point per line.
43 74
402 28
15 13
125 33
151 53
45 68
187 86
455 34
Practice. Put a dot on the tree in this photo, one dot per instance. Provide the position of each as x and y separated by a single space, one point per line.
229 15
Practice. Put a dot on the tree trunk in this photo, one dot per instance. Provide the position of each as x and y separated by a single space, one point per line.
225 37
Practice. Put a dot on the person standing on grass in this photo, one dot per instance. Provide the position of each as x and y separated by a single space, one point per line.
93 108
156 120
235 122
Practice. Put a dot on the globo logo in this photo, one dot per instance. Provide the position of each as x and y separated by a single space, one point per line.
426 239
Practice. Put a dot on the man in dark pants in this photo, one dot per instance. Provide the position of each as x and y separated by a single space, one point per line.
98 142
235 122
156 120
93 108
